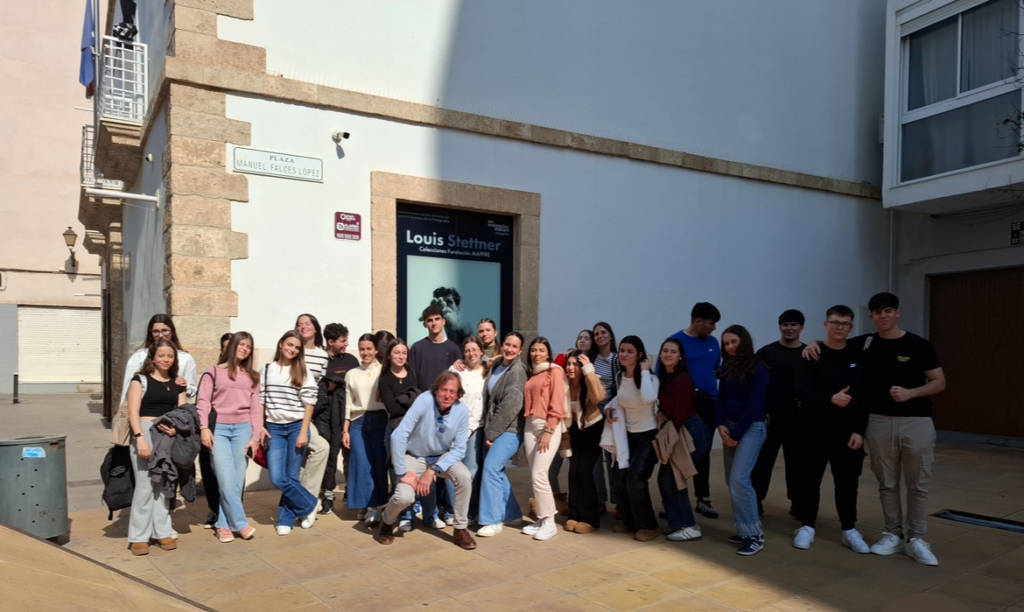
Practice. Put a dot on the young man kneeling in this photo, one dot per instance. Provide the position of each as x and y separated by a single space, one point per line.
430 443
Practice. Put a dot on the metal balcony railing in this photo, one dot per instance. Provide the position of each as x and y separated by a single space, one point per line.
121 92
88 164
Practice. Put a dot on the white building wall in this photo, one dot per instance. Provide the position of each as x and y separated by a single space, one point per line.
954 243
794 84
633 243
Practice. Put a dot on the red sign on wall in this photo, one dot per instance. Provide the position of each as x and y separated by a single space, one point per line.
347 226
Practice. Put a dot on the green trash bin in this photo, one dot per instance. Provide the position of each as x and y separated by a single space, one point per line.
34 485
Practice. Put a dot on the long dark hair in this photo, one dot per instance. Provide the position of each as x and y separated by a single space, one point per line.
529 360
149 365
743 364
230 357
383 339
593 341
298 368
318 337
664 376
166 320
641 354
493 363
575 354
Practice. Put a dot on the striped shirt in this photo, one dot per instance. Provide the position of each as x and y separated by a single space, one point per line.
606 368
284 403
316 363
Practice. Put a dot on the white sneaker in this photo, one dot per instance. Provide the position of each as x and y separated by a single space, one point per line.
283 530
888 544
533 528
405 525
804 537
685 534
373 516
918 550
449 520
854 541
489 530
308 521
547 530
437 523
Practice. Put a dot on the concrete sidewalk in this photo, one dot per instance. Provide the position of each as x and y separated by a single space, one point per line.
337 564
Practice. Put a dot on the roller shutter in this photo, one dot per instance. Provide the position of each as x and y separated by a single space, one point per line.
59 345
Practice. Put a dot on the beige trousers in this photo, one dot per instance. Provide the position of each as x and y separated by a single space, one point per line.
312 476
539 463
902 446
404 495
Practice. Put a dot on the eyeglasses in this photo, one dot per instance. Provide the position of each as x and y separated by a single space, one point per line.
839 324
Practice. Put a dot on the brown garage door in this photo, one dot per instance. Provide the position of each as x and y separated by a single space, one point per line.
977 327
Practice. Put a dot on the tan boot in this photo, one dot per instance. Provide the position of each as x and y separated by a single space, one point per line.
167 543
646 535
582 527
139 548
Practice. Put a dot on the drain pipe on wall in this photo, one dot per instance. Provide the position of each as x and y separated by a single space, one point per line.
892 249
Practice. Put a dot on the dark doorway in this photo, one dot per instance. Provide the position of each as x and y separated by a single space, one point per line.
977 328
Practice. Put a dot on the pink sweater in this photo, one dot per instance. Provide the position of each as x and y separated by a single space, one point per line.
236 401
545 394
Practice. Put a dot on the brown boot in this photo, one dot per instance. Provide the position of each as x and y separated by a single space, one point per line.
167 543
582 527
646 535
464 540
562 503
386 534
570 525
139 548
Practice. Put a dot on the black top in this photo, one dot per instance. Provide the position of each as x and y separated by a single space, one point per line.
899 362
331 388
818 381
160 397
429 359
782 364
397 394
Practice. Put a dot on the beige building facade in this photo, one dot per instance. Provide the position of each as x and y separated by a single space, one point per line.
50 297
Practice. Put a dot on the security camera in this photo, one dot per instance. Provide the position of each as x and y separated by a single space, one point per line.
338 136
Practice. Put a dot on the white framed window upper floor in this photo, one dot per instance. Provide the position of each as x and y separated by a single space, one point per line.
960 94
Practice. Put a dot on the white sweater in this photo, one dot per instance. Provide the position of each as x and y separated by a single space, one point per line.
473 385
283 402
637 405
361 391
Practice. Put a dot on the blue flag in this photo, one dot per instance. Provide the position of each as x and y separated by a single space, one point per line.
87 67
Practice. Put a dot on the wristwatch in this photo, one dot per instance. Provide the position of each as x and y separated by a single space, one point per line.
137 435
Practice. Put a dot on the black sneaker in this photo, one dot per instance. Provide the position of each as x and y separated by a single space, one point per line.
211 518
736 540
326 506
751 546
704 507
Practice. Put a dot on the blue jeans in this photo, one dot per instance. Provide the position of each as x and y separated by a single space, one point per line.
676 502
497 503
739 463
368 462
284 462
229 462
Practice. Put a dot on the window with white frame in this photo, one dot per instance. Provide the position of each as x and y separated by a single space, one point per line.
961 102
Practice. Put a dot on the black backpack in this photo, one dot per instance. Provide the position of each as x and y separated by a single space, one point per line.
118 479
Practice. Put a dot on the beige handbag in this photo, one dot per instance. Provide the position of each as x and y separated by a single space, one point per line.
120 429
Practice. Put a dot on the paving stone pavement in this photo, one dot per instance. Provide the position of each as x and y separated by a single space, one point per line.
337 564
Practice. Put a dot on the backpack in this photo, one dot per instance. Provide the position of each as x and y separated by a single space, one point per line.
118 479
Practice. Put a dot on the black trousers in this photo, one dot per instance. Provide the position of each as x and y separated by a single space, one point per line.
584 500
816 451
705 406
210 486
632 483
781 435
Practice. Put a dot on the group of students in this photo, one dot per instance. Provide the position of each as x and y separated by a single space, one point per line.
404 417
